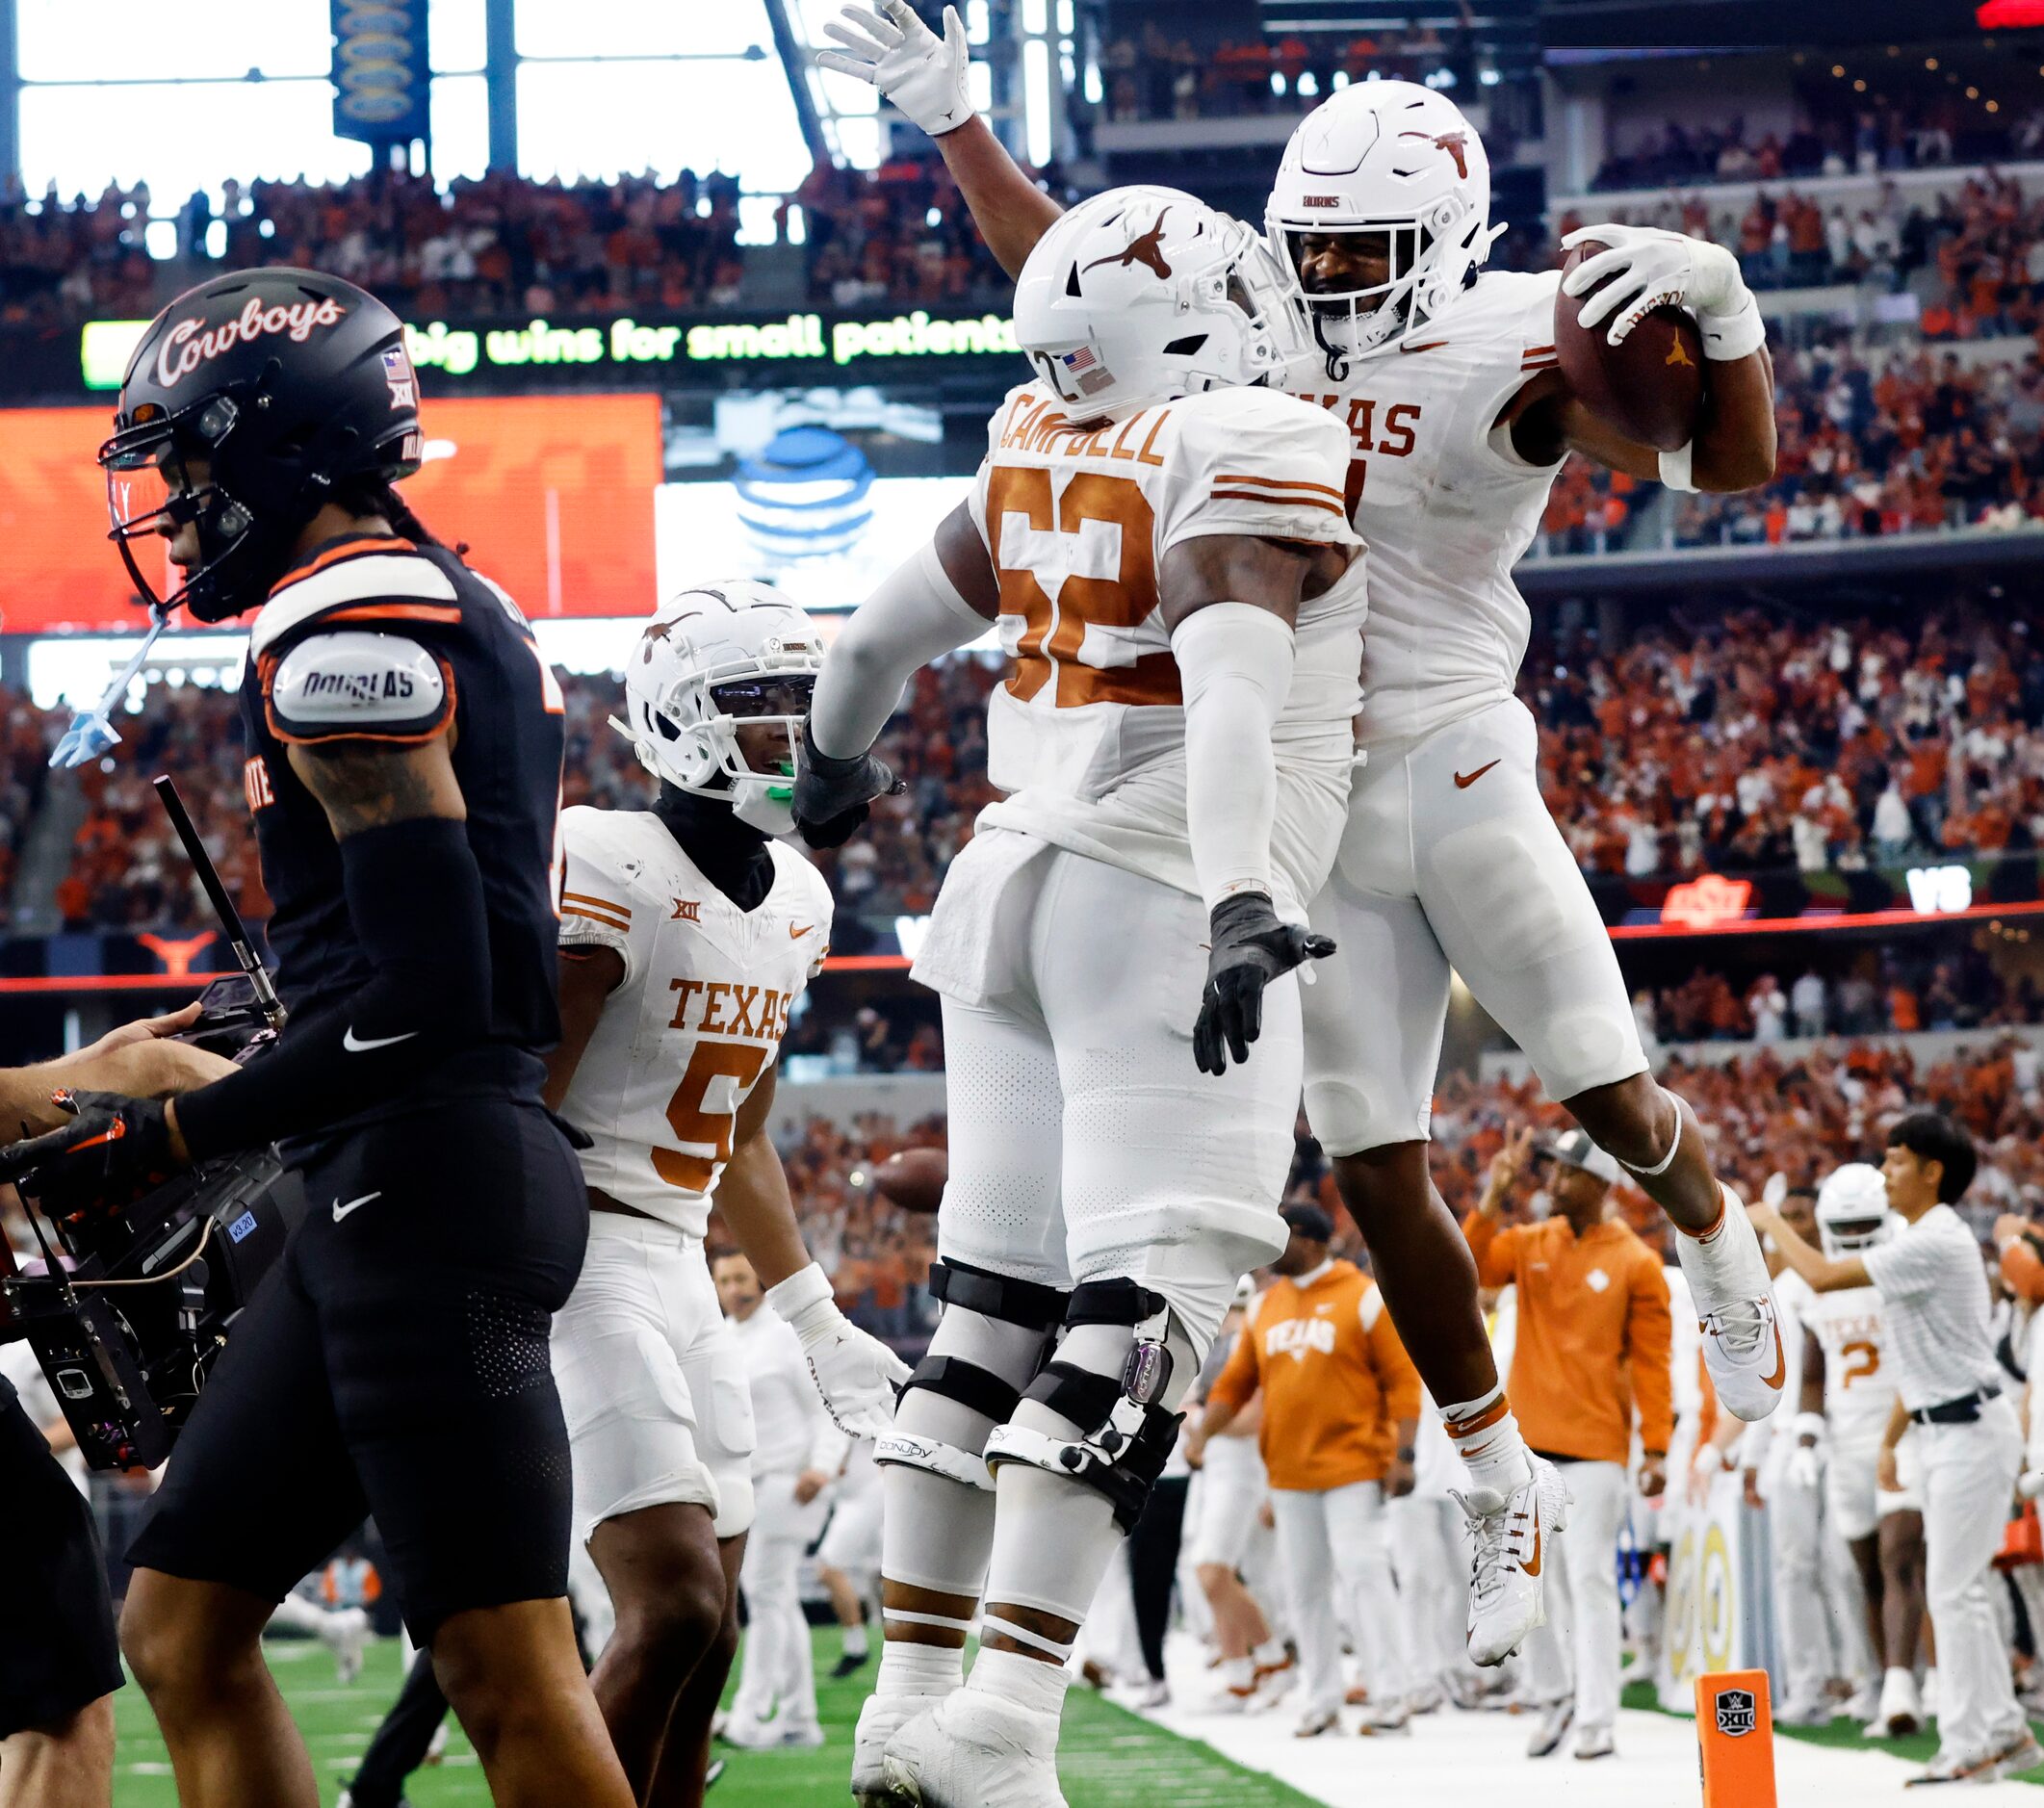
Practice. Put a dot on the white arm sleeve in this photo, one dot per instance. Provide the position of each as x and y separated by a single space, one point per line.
916 614
1235 660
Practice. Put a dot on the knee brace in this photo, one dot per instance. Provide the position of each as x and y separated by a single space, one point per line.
988 1347
1121 1390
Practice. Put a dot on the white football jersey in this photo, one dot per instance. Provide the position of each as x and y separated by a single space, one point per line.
1445 504
1858 1386
699 1015
1087 735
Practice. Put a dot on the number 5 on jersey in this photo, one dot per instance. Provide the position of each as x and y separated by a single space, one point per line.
727 1069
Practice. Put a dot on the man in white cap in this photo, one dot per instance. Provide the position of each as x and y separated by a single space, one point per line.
1935 1311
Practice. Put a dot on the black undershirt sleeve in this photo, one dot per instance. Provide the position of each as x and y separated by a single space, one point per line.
414 898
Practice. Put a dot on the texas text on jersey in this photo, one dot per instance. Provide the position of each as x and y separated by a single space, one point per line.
1445 502
384 616
699 1015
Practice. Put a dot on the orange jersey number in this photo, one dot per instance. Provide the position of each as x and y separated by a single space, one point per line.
693 1123
1862 1360
1100 522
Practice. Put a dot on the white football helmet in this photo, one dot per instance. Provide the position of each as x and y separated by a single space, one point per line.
1852 1210
1396 159
1142 294
716 659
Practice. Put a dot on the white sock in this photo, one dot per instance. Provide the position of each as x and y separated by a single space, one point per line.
1237 1673
1270 1655
855 1644
1486 1435
1029 1682
918 1670
1724 1263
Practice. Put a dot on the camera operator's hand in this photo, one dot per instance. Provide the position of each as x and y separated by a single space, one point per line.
113 1150
834 796
1250 946
139 1060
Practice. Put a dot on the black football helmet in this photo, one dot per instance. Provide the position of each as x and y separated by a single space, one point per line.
287 383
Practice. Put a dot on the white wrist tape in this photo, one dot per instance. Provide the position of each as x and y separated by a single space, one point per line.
916 614
1235 662
1737 334
804 1290
1675 468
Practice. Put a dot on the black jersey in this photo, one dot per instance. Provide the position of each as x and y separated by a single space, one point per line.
509 720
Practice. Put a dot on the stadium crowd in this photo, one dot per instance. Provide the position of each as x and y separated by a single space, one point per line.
1752 741
504 245
1156 75
1743 743
1829 141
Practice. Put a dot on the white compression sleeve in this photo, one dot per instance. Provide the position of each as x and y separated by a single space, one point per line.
1236 663
916 614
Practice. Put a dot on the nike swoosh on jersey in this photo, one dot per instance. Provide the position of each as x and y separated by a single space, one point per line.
1463 780
356 1044
341 1211
796 931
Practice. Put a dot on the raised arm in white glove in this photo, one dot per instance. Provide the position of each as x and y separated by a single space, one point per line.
1649 268
922 74
856 1375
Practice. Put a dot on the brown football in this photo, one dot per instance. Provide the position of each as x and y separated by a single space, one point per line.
913 1178
1651 387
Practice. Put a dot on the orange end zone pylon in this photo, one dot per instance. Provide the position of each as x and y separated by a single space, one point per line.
1735 1739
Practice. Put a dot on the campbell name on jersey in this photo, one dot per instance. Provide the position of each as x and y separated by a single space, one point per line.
699 1015
1445 504
1087 735
1859 1387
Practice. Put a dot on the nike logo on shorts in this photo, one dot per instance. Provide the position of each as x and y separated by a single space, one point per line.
1463 780
356 1044
341 1211
796 931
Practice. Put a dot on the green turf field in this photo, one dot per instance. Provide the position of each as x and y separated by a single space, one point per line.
1110 1759
1918 1748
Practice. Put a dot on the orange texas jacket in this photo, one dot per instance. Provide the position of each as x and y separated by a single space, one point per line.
1590 1310
1335 1379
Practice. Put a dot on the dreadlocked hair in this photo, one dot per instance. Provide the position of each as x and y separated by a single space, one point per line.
378 496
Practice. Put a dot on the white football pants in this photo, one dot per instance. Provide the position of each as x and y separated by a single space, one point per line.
1577 1651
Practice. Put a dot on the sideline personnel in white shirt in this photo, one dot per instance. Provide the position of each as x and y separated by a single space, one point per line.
799 1454
1936 1307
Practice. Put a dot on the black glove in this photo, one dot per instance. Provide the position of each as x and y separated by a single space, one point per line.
832 797
114 1151
1250 948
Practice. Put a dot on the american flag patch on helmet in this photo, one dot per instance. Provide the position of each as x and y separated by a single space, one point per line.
1080 360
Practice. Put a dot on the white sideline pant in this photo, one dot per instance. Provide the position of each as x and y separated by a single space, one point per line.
1429 1560
775 1667
1969 1474
1576 1652
1340 1534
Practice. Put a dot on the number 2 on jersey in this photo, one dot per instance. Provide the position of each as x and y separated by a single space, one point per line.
694 1123
1862 1360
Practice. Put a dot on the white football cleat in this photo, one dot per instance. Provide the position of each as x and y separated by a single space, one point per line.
1318 1720
1741 1336
1594 1741
880 1718
974 1750
1900 1712
1510 1536
1380 1722
1556 1719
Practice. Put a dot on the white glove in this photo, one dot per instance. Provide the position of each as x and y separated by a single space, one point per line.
1806 1465
922 74
1651 269
856 1375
